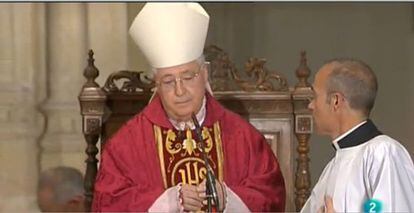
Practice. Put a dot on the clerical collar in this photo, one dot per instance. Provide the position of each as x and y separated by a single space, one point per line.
201 115
349 131
359 134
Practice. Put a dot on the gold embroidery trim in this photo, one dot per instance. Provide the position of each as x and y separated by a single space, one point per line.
183 161
219 150
158 140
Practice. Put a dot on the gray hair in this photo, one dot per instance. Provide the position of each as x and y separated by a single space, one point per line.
200 60
65 182
355 80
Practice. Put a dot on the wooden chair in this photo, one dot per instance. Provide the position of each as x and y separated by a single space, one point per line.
265 99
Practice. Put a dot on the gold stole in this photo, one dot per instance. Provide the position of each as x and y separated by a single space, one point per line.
181 159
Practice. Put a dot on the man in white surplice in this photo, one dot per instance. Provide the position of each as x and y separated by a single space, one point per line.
367 164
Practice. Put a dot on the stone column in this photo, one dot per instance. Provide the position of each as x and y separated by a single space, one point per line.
62 143
22 71
107 36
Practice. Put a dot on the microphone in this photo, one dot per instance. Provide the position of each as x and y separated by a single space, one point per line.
211 190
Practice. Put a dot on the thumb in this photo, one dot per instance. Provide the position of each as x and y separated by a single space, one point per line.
202 186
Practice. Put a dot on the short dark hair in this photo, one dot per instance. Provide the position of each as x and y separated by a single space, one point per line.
66 182
355 80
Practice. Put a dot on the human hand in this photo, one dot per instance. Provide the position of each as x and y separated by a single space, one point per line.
191 200
328 207
201 189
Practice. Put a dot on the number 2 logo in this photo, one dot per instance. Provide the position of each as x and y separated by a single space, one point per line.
372 209
372 206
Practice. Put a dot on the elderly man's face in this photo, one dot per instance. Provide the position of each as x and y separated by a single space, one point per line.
181 89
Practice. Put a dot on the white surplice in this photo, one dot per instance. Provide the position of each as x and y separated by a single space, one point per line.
380 168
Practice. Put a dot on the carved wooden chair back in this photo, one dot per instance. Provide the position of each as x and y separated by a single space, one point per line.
261 96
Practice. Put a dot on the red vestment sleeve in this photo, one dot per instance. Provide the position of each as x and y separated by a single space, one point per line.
128 177
252 170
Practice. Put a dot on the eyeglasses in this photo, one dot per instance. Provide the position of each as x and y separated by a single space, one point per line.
168 82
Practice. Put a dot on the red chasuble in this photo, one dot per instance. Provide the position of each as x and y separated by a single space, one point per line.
147 155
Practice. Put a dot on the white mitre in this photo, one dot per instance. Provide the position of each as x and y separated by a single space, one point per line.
170 34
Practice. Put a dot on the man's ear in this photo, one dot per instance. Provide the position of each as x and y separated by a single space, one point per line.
337 100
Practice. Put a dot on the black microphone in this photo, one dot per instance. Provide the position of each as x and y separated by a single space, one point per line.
211 179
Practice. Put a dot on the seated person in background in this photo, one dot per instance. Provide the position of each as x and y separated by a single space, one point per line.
370 170
60 189
154 162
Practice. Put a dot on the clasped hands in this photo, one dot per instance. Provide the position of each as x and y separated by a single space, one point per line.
194 197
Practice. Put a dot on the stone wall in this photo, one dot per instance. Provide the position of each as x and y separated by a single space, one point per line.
43 54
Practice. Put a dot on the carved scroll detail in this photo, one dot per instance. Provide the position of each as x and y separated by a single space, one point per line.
132 82
261 78
223 71
220 68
